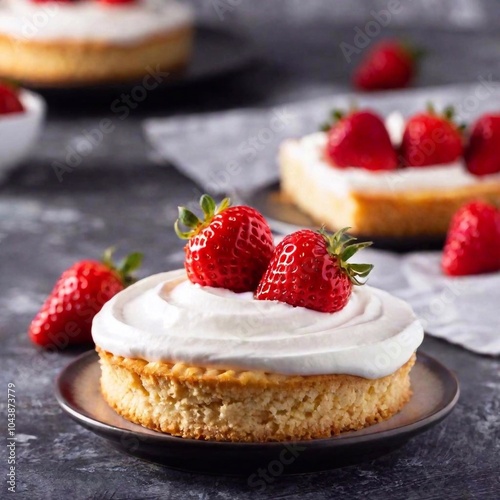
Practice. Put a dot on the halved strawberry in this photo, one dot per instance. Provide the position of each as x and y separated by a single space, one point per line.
229 248
310 269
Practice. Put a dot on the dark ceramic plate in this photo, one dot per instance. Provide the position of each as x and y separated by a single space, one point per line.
216 53
435 391
285 218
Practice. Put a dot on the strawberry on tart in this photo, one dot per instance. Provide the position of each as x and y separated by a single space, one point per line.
71 42
253 343
396 179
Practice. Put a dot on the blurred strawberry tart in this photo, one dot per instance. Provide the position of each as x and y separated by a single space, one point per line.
71 42
399 178
254 343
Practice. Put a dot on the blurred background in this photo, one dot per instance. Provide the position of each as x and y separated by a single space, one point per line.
251 55
292 50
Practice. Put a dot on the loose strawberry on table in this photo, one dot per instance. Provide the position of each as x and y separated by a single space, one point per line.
482 154
79 294
390 64
473 241
360 139
431 138
229 248
310 269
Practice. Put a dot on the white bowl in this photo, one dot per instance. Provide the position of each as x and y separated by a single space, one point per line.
19 131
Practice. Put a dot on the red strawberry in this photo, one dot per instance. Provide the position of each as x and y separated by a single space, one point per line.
309 269
482 154
230 248
79 294
360 139
473 241
9 100
431 139
390 64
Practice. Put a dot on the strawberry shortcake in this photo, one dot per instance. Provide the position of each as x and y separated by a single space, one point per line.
393 179
252 343
78 42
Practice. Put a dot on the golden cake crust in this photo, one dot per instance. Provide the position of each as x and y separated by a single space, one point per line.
399 214
248 406
73 62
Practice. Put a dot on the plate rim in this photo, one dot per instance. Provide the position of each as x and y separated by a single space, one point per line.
250 55
391 243
347 439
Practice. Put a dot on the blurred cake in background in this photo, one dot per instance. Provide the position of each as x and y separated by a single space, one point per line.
395 179
79 42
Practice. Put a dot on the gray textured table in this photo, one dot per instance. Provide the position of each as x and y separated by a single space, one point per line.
116 196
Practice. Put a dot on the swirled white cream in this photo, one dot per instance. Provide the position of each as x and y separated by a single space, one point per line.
91 20
309 153
167 318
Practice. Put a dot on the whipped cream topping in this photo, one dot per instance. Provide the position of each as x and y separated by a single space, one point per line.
91 20
167 318
309 151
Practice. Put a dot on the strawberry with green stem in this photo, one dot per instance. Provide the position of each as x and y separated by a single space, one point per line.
390 64
310 269
359 138
229 247
473 241
430 138
482 154
66 316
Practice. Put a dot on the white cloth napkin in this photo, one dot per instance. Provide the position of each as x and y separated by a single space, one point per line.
223 152
462 310
236 150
